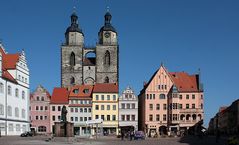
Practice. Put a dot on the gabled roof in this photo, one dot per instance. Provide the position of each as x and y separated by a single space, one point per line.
59 96
106 88
81 91
185 82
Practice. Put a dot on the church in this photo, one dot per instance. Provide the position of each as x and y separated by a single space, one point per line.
78 67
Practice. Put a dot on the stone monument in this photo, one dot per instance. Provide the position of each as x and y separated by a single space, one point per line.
64 128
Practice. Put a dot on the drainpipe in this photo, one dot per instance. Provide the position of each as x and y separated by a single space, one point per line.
6 108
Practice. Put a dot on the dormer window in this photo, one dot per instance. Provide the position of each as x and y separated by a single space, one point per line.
75 91
86 91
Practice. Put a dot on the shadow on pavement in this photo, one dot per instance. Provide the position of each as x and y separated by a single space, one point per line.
205 140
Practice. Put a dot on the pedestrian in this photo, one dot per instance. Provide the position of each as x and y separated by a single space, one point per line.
131 135
122 135
218 136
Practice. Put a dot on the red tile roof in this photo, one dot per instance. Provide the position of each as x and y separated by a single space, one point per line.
81 91
8 76
184 82
59 96
106 88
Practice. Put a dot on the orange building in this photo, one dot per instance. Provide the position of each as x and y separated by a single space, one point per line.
170 102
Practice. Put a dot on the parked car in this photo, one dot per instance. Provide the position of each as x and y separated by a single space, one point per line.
26 134
139 135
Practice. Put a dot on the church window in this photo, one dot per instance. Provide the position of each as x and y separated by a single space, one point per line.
72 59
106 79
72 80
107 58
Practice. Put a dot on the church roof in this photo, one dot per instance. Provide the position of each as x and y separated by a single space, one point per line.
74 25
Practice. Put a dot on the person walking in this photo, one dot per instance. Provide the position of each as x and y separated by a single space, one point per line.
131 134
122 135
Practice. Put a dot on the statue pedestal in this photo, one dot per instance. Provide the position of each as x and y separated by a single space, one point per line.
64 129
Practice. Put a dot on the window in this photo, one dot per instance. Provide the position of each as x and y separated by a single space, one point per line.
97 97
96 107
73 82
41 117
23 113
72 59
165 87
187 96
162 96
102 117
108 107
89 110
42 98
128 106
16 93
102 107
37 108
187 106
108 97
85 118
9 90
53 108
41 129
157 117
23 95
72 109
133 106
201 106
1 109
158 107
46 108
59 118
123 106
107 58
193 96
150 106
45 118
128 117
81 109
10 127
113 117
72 118
164 106
96 116
89 118
180 96
85 109
150 96
108 117
180 106
41 108
164 117
114 97
175 106
9 110
36 117
53 118
16 112
132 117
59 108
193 106
150 117
201 96
153 96
123 117
76 109
107 79
38 99
175 117
102 97
159 87
147 96
1 88
114 107
76 119
2 126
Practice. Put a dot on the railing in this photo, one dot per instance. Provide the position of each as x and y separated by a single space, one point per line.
190 110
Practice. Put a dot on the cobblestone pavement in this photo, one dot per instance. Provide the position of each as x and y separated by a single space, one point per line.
41 140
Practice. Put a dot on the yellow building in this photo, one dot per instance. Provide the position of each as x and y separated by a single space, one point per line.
105 107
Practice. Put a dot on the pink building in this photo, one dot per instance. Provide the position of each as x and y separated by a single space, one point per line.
40 110
58 100
170 102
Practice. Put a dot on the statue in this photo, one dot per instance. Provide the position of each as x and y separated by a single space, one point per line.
63 114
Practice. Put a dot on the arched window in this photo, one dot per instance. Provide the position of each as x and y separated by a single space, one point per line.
1 109
107 80
199 116
1 88
72 59
16 93
9 90
42 98
162 96
72 80
182 117
42 129
188 117
23 113
16 112
194 116
107 58
9 110
23 95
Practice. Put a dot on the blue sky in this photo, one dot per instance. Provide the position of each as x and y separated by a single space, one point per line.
183 34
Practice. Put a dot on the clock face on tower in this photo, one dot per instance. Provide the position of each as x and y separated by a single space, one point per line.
107 34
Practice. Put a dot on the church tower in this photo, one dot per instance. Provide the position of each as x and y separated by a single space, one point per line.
71 54
107 53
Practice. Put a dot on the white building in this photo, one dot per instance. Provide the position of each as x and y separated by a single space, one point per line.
128 110
14 93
